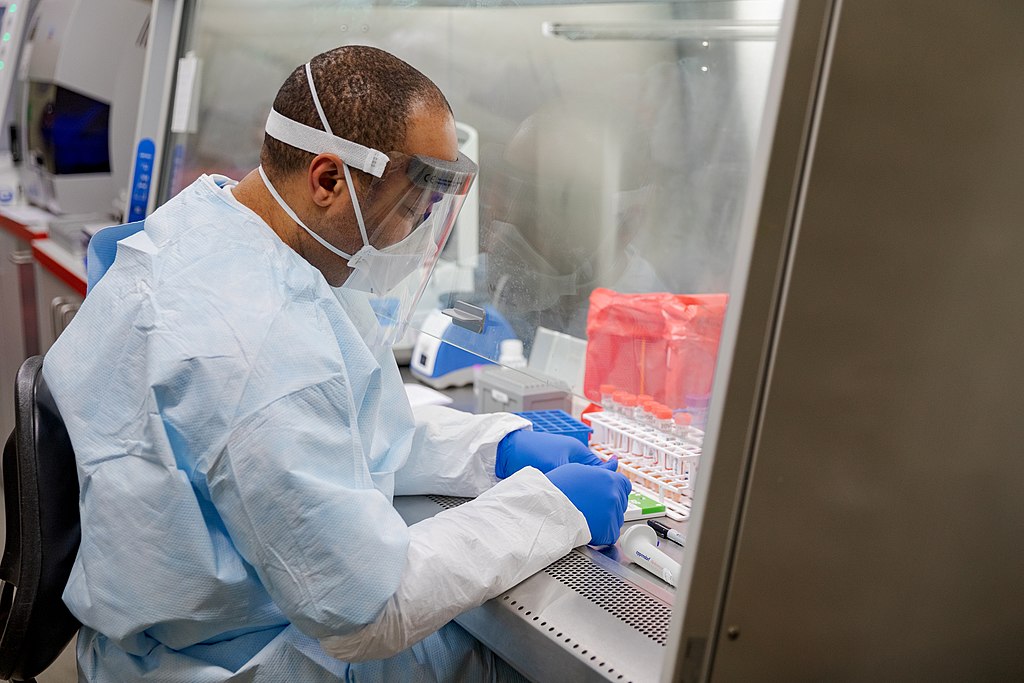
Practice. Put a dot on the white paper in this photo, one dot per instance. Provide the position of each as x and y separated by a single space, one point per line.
420 395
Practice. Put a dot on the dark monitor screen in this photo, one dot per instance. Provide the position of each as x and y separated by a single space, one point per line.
68 132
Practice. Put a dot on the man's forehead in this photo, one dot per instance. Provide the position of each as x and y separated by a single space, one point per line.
431 132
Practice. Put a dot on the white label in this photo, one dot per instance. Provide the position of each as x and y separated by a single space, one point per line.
183 118
499 396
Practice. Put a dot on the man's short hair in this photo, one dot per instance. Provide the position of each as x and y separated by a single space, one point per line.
367 95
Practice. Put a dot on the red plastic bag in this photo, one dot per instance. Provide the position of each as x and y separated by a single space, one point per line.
660 344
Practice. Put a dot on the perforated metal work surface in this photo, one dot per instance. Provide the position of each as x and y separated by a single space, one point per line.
449 502
588 617
614 595
611 593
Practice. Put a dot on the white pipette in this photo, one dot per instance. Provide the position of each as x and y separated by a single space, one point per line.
639 543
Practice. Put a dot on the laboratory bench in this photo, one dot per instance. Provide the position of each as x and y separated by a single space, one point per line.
591 615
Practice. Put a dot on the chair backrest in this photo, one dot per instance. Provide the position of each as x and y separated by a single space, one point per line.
43 532
103 249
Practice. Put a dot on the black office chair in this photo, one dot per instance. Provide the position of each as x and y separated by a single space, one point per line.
43 532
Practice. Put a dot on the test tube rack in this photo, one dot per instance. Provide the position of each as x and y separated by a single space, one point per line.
660 465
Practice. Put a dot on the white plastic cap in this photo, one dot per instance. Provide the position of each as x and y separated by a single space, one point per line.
510 353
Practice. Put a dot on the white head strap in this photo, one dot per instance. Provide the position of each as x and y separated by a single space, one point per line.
316 141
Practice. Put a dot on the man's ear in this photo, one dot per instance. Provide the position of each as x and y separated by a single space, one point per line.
326 180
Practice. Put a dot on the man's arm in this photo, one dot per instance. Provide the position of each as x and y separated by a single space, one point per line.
453 453
462 557
297 500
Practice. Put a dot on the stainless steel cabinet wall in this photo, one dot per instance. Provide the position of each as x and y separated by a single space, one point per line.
870 491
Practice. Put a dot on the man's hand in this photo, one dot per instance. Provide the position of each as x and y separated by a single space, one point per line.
601 496
524 448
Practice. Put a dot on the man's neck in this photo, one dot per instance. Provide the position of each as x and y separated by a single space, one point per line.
253 194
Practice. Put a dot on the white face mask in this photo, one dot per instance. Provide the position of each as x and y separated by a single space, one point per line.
384 269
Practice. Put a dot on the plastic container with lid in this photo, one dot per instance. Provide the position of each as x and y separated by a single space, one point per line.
638 411
663 420
617 398
510 354
645 414
628 404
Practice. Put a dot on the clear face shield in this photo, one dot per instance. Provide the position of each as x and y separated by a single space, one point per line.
405 218
412 209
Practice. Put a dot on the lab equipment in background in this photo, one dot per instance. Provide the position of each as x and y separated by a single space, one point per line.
558 422
445 353
500 389
14 17
640 545
83 77
663 345
553 374
560 356
462 252
74 235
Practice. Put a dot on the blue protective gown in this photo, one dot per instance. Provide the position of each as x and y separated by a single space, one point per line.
238 445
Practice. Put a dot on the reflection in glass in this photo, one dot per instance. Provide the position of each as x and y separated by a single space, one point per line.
615 160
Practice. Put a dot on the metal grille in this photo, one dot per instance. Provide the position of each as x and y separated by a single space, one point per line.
449 502
614 595
568 643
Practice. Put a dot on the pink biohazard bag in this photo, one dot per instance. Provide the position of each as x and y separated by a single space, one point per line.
664 345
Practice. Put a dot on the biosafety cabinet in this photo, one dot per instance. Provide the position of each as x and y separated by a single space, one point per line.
843 177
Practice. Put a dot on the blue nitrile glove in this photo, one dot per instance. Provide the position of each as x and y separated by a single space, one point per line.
600 494
524 448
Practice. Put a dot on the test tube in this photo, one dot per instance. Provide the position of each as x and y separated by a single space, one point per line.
607 402
638 411
637 451
663 420
671 462
628 404
617 398
647 413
